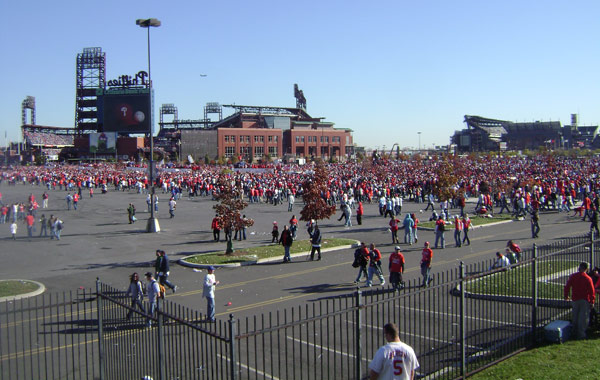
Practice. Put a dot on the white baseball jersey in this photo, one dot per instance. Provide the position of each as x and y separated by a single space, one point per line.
394 361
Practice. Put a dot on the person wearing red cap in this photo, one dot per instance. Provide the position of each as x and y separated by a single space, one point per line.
426 258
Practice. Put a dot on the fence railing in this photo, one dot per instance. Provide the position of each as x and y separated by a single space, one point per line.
468 318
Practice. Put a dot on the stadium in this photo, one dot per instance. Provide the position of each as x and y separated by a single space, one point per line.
113 120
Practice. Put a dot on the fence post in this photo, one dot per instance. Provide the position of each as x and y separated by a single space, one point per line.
534 293
100 330
463 338
358 335
233 357
161 344
592 264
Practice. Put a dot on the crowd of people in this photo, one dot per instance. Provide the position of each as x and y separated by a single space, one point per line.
518 185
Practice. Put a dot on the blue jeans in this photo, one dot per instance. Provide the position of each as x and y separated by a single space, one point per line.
425 273
457 238
374 270
408 236
439 236
153 307
286 256
210 308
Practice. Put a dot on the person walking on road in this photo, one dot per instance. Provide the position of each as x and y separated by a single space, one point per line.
315 241
286 240
161 266
361 260
396 267
394 360
172 207
458 228
426 258
375 266
43 226
216 227
409 224
153 293
440 229
135 291
580 290
535 224
208 292
466 221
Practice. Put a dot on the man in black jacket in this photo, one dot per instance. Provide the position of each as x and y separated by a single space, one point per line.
161 267
315 241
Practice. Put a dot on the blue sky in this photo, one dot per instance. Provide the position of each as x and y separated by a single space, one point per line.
386 69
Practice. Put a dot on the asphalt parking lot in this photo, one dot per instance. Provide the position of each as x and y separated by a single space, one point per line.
98 242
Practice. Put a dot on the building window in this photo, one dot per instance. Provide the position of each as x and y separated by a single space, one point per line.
232 138
276 138
259 151
258 139
270 139
297 139
273 151
226 138
229 151
246 150
301 138
347 140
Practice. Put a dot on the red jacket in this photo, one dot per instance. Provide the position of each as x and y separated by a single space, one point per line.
583 287
215 224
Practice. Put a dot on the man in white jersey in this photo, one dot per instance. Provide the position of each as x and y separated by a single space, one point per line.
395 360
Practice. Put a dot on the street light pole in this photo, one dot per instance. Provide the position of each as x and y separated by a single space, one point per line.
152 225
419 133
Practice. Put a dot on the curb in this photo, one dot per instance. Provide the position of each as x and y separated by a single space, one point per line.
184 263
41 289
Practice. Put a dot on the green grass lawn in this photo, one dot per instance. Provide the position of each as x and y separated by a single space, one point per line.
517 281
475 221
9 288
262 252
577 359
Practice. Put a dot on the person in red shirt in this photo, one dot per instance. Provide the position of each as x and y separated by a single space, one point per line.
426 258
396 268
29 221
587 206
359 213
375 266
394 228
216 228
458 227
514 248
466 221
580 289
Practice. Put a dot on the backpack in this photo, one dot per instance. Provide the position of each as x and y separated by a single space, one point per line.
161 291
59 225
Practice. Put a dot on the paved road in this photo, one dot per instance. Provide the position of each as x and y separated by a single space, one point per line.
98 242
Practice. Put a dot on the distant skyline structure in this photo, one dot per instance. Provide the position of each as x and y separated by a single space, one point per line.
383 70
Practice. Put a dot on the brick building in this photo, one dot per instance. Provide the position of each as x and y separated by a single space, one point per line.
254 132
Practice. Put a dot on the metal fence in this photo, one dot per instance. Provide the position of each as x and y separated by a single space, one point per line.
467 319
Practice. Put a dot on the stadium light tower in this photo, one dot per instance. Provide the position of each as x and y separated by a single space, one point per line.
152 225
419 133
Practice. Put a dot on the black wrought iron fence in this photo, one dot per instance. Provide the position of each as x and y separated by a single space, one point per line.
468 318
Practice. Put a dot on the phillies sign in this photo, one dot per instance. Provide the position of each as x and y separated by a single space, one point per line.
138 80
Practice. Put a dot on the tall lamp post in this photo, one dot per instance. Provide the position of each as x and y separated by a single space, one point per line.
419 133
152 225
